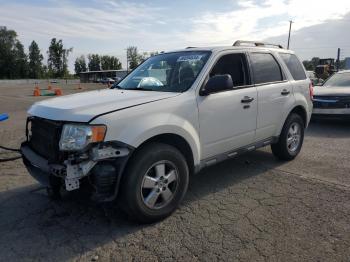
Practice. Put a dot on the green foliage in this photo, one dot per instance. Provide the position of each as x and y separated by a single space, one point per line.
35 61
13 60
58 58
134 58
94 62
311 64
21 61
80 65
110 63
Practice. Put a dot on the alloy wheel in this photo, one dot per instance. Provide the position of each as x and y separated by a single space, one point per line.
159 184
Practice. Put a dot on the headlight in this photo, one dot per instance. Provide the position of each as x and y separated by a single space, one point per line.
77 137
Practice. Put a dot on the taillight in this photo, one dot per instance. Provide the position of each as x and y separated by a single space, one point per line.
311 91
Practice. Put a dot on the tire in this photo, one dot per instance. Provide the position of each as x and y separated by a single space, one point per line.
154 183
284 149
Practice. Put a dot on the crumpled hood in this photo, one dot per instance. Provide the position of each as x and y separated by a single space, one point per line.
83 107
331 91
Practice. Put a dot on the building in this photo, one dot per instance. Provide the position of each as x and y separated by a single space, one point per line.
96 76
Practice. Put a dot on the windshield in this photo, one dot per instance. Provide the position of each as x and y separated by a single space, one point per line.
172 72
338 80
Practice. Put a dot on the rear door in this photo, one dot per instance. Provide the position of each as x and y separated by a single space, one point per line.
274 93
299 80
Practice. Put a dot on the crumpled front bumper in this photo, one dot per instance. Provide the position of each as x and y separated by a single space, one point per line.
37 166
104 165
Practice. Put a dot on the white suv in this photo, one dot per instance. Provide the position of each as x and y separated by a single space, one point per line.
175 114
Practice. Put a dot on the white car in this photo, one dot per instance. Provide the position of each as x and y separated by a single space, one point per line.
172 116
333 98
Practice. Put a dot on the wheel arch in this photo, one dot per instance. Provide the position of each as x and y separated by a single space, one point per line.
298 109
177 141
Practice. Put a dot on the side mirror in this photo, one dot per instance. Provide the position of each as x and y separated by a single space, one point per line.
216 84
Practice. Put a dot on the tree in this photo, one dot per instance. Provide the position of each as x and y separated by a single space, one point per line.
110 63
35 61
94 62
80 65
21 61
134 58
13 60
58 58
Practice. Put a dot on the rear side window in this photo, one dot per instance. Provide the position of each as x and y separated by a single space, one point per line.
265 68
294 66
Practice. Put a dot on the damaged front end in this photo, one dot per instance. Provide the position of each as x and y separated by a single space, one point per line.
54 163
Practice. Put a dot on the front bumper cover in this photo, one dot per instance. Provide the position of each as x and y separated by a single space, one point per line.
37 166
44 172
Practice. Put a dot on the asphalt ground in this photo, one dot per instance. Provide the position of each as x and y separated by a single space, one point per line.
251 208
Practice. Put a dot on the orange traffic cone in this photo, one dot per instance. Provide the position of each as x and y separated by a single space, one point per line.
36 92
58 91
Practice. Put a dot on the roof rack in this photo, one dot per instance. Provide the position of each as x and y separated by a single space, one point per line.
257 44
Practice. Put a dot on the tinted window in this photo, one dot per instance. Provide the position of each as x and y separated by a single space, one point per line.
294 66
234 65
265 68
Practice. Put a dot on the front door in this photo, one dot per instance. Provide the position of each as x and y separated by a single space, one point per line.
228 118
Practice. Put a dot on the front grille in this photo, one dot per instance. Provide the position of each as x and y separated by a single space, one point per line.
332 102
44 136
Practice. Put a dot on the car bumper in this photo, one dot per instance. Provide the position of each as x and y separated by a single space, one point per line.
328 111
36 165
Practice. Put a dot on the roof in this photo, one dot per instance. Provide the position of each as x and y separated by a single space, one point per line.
103 71
224 48
242 45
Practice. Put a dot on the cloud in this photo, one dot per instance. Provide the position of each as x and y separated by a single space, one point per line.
258 21
109 26
320 40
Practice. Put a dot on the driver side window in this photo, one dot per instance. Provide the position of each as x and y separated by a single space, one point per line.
236 66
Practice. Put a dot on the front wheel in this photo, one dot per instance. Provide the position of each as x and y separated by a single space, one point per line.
154 183
291 138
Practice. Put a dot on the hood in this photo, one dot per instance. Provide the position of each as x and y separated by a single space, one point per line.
83 107
331 91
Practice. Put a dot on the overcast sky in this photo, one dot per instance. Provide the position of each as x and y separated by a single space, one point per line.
109 26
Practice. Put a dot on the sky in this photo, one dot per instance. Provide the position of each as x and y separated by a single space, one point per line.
108 27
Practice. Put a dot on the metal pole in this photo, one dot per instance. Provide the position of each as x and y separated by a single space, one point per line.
338 59
290 29
127 61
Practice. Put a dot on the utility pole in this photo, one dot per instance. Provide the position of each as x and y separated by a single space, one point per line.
338 59
127 61
290 29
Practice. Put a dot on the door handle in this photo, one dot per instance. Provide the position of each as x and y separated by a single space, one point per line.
285 92
247 99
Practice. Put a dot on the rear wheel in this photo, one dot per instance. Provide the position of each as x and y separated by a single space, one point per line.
291 138
154 184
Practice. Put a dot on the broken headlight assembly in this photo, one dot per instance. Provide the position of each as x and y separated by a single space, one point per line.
76 137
